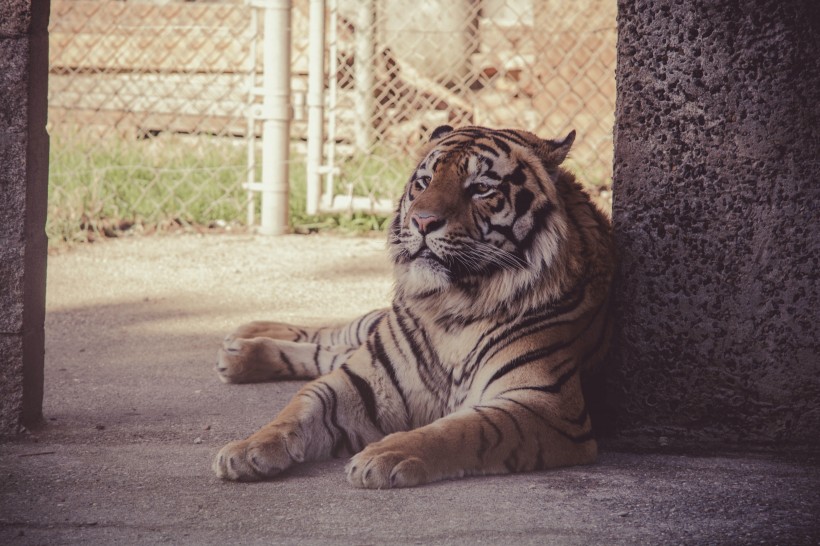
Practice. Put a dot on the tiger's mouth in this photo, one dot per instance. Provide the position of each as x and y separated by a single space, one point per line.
424 253
449 264
427 258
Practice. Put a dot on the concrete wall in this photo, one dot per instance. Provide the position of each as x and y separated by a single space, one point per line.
23 197
717 217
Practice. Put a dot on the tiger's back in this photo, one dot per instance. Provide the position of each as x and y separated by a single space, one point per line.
502 267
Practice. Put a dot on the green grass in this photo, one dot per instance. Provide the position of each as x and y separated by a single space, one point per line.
353 223
106 186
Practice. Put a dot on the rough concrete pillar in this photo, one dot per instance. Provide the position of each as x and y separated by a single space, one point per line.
717 219
23 199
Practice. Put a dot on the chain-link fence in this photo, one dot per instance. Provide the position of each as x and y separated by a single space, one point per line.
149 100
147 114
543 65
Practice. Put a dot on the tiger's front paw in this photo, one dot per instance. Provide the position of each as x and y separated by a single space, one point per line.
379 466
254 460
247 360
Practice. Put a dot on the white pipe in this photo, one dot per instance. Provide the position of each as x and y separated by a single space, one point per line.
332 70
277 114
363 73
251 129
315 103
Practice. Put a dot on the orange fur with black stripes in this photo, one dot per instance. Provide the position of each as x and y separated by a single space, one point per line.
503 268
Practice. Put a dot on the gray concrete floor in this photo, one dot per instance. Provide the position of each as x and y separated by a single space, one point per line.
135 414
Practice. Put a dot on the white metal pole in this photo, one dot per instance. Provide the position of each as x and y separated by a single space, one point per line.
332 70
363 70
277 114
251 129
315 104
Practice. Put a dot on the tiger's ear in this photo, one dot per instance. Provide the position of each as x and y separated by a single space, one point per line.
439 132
556 151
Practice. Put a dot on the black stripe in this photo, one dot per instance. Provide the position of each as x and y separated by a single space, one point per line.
380 356
512 463
525 359
367 396
539 224
487 148
552 388
426 294
520 330
338 435
411 342
375 324
578 439
523 201
542 352
316 359
581 419
501 144
603 333
343 441
517 177
288 363
465 165
499 436
513 136
437 380
334 361
509 332
509 415
314 389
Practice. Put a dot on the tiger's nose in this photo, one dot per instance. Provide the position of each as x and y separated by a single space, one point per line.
426 222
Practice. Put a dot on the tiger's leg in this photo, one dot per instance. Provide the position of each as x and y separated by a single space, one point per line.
351 334
261 350
517 431
333 416
265 359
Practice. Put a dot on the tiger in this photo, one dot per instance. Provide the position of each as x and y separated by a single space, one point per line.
500 311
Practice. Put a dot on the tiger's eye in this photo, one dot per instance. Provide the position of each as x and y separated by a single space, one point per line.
481 188
421 183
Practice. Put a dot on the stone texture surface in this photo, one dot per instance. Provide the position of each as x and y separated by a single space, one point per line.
15 17
717 218
11 382
13 145
14 62
23 198
12 262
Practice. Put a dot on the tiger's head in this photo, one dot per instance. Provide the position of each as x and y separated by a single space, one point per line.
481 220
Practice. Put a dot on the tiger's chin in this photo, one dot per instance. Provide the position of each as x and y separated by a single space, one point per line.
423 276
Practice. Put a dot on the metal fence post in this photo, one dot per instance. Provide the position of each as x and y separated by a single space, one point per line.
252 114
276 110
364 72
332 100
315 104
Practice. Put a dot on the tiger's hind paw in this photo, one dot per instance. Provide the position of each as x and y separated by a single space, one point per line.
246 360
